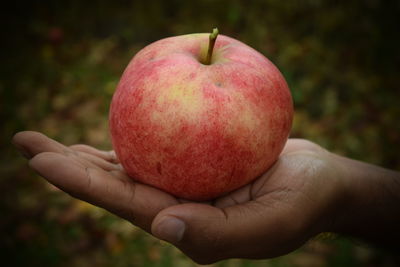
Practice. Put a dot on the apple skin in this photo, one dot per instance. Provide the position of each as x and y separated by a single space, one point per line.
199 131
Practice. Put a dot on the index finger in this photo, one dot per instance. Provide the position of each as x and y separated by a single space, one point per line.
135 202
32 143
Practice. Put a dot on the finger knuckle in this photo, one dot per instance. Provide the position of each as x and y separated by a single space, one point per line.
207 252
203 259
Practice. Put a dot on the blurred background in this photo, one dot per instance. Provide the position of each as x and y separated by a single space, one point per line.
60 64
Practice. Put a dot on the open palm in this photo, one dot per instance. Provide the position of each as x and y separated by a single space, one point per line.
273 215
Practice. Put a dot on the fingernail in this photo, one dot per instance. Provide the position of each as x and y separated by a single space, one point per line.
22 150
170 229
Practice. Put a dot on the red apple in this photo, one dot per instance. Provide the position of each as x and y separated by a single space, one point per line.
197 126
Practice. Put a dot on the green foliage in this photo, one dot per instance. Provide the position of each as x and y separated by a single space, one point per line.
61 63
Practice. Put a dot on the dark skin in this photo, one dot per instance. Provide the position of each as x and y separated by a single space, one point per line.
308 190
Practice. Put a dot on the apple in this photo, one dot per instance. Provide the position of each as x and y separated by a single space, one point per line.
199 116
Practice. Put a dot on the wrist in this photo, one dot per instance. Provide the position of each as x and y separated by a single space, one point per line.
369 208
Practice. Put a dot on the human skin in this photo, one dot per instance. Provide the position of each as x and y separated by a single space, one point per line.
309 190
199 130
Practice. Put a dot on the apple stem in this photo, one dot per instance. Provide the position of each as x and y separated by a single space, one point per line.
213 38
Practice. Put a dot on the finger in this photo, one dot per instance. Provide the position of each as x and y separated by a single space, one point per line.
297 144
239 196
208 234
99 162
133 201
32 143
106 155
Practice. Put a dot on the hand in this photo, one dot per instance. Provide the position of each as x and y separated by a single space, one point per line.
293 201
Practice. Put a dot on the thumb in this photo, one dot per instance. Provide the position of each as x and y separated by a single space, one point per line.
182 223
199 230
207 233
